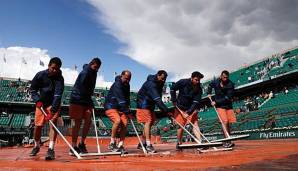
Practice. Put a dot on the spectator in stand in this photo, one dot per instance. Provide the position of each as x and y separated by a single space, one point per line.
168 99
271 95
286 91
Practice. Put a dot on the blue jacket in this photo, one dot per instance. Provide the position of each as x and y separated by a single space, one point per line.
118 96
84 86
223 95
47 89
189 97
150 94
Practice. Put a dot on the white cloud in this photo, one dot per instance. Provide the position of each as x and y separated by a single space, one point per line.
100 82
24 63
209 36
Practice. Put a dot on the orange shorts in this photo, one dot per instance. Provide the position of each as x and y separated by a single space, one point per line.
145 116
40 117
182 121
115 116
80 112
226 115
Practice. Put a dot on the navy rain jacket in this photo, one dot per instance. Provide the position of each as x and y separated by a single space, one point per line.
189 97
47 89
150 94
223 95
118 96
84 87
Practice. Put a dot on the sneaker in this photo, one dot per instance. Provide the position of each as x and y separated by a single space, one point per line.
82 147
34 151
150 149
140 146
232 144
202 148
71 153
113 147
177 147
228 144
122 150
50 154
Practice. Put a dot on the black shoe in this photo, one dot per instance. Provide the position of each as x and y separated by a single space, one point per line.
177 147
82 148
71 153
202 148
232 144
122 150
228 145
150 149
140 146
113 147
34 151
50 154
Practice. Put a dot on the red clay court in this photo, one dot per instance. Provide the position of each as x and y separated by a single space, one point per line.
281 154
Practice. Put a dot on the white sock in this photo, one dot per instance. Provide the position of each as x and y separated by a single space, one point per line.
148 142
51 144
112 140
36 143
120 143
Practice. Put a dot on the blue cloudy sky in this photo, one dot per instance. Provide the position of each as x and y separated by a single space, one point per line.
143 36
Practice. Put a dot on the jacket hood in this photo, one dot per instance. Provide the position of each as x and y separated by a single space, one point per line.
118 78
88 68
151 78
85 66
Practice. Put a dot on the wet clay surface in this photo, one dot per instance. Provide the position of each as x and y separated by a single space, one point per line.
247 155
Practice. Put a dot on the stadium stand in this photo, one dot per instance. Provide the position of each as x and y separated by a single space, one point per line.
4 120
18 120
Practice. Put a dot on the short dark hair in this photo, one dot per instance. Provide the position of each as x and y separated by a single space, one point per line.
125 71
197 74
96 61
162 72
225 72
56 60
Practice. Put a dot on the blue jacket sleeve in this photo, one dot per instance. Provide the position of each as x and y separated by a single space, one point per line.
59 88
195 103
34 88
127 96
153 93
176 86
121 98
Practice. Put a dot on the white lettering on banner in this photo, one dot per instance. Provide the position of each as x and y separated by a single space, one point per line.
277 134
212 138
263 135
